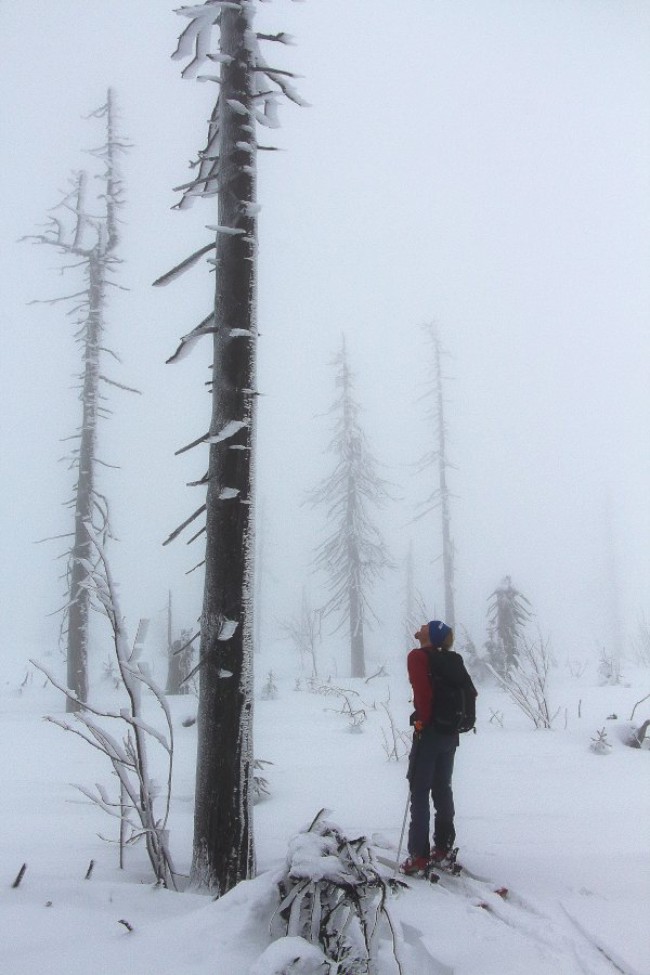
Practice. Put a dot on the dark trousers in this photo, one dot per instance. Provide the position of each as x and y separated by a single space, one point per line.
431 766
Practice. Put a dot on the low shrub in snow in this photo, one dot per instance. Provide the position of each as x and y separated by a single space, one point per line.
270 687
526 682
350 703
260 782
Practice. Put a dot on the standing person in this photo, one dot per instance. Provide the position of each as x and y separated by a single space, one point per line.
431 762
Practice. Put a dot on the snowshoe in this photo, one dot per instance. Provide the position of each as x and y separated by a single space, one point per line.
445 861
415 867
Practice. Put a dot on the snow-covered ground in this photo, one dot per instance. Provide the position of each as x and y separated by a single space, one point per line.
566 830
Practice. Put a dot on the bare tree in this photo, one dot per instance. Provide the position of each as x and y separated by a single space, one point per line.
353 554
436 460
78 232
641 642
304 631
248 94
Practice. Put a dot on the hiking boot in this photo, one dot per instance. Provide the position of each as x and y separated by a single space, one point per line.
415 866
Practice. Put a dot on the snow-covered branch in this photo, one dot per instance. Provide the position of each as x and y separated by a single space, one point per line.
527 681
128 757
333 895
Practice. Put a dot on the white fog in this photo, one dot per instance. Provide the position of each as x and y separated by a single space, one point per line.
482 166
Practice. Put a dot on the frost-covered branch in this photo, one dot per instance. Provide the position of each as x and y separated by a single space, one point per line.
527 681
128 757
333 895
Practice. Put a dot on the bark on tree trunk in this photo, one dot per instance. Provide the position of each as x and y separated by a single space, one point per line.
358 662
79 597
357 651
175 673
88 509
447 543
223 839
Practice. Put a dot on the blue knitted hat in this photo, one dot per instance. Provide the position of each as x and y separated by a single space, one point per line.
438 631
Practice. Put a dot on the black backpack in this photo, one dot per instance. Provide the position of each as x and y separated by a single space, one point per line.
454 694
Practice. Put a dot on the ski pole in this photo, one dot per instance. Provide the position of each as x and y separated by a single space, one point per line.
414 750
401 835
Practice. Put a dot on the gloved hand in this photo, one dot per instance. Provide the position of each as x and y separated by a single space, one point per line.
415 723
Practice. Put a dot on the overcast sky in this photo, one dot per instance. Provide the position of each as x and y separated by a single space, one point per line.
478 164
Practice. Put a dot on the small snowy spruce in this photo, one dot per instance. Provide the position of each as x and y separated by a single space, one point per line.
270 688
599 744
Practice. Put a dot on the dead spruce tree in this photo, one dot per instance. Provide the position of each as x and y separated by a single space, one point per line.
353 554
508 613
436 463
89 239
249 89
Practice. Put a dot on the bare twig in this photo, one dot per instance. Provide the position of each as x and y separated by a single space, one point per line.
527 682
637 704
188 521
128 756
19 876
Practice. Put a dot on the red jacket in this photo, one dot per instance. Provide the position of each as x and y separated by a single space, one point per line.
417 663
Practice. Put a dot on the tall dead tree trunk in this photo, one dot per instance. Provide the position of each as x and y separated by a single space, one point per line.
77 231
177 670
223 839
437 459
445 515
82 553
355 587
357 646
415 611
88 504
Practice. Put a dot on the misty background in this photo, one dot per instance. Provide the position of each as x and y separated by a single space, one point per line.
483 166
